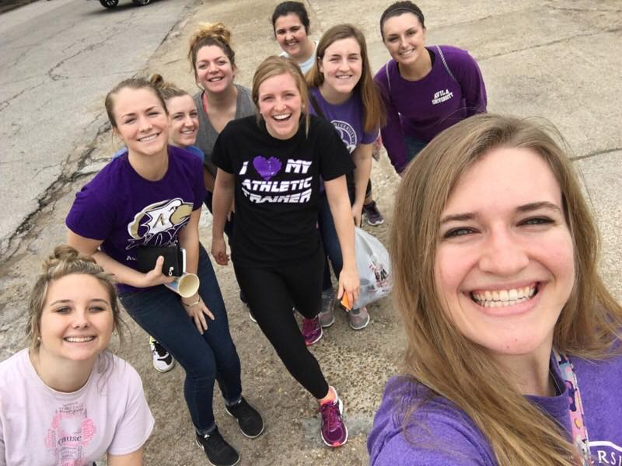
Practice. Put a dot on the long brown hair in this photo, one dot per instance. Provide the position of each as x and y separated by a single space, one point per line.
373 107
275 66
437 354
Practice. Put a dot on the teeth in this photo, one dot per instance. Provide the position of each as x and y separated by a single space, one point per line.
502 298
281 117
79 339
213 80
148 138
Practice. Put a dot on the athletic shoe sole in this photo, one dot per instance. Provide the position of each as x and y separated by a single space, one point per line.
162 371
319 337
375 222
244 433
360 328
328 324
208 461
344 426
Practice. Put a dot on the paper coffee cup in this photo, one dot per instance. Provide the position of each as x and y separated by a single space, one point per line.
185 286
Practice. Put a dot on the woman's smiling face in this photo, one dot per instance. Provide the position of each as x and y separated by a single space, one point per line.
504 266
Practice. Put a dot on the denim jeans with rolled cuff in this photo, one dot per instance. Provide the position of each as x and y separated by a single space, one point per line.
205 358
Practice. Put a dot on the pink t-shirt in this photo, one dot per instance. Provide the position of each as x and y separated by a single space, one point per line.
40 426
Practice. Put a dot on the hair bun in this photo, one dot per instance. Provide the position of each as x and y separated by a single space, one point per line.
63 253
157 80
217 31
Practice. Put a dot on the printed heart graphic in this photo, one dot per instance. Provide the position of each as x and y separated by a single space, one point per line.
267 168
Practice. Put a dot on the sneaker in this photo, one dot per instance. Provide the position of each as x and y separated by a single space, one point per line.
358 318
334 431
217 450
250 314
249 420
374 217
162 359
327 312
311 330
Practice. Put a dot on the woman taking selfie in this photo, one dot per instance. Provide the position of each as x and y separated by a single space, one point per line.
66 399
513 341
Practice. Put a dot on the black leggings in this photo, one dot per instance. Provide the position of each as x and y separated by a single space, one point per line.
271 292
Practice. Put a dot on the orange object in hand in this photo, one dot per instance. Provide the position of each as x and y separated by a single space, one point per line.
344 303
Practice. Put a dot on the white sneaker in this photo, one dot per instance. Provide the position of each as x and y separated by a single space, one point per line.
162 360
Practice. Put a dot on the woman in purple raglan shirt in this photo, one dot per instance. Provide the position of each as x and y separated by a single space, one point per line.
513 342
152 196
425 89
342 91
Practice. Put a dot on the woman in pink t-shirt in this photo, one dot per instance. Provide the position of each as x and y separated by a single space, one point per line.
66 399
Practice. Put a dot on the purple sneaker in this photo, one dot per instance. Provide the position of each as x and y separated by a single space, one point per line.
311 330
334 431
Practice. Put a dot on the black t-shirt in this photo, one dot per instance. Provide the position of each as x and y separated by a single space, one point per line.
277 187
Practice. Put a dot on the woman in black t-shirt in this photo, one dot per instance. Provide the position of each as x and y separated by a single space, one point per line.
273 165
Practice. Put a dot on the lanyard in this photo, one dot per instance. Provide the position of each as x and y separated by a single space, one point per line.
577 415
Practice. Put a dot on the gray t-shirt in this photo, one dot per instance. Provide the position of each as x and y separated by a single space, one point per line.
207 135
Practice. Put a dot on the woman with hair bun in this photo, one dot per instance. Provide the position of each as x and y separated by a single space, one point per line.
425 89
290 23
152 197
66 390
514 344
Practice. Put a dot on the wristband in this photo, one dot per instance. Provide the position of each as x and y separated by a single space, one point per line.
193 304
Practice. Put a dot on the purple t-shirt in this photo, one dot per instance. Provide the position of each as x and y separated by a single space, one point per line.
422 109
441 434
126 211
347 118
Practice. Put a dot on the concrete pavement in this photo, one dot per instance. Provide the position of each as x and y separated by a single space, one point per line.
553 59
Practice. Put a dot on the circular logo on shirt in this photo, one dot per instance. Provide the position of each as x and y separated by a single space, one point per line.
346 133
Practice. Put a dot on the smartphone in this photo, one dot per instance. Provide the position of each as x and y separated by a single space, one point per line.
344 303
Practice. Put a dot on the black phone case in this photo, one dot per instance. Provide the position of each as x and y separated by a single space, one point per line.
146 257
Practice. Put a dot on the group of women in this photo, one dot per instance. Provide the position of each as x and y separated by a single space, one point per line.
513 340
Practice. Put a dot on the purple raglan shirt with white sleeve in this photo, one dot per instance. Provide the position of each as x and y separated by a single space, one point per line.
441 434
422 109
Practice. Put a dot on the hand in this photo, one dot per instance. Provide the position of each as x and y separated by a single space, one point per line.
156 277
357 214
349 283
197 311
219 251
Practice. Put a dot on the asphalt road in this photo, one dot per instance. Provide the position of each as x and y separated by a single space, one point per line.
57 61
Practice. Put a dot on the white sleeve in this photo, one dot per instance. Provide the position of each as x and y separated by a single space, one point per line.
135 426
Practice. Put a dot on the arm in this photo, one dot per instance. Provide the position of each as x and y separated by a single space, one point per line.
392 134
132 459
189 240
123 273
362 159
339 202
208 179
473 87
223 197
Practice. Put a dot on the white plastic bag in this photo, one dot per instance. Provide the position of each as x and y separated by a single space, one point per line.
374 267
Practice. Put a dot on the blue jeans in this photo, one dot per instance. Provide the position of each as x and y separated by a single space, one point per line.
330 240
413 147
205 358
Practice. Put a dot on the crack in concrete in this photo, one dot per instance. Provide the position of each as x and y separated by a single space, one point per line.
553 42
89 48
5 103
595 154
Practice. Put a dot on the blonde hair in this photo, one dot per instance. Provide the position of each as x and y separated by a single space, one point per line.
210 34
437 354
373 108
166 89
66 261
275 66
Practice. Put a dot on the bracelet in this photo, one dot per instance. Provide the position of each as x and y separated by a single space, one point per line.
193 304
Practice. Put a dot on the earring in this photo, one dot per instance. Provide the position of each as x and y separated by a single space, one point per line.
38 338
